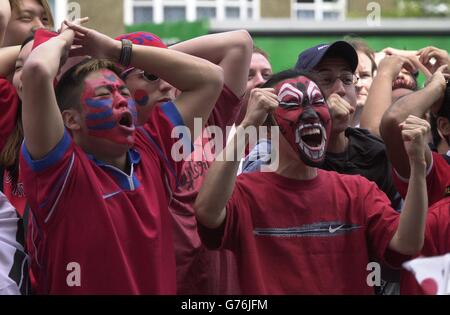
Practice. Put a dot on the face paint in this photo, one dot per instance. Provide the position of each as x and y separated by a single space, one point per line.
141 97
304 118
109 111
133 110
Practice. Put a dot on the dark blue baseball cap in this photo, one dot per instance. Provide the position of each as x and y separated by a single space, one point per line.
311 57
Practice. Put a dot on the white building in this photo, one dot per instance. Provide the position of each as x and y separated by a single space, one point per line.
158 11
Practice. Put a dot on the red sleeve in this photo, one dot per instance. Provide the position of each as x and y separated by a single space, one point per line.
228 235
382 222
9 104
46 180
438 179
225 111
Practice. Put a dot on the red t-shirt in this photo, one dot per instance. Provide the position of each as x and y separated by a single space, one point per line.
97 230
9 104
201 271
438 179
306 237
437 242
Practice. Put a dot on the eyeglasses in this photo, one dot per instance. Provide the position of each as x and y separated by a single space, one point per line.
328 79
146 76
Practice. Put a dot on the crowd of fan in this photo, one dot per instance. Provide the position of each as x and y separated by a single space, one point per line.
94 199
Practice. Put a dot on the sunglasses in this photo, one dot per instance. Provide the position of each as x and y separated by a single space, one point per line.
146 76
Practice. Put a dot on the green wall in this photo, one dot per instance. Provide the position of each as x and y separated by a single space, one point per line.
283 51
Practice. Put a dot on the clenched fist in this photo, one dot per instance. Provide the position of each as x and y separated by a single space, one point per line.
341 112
260 104
414 134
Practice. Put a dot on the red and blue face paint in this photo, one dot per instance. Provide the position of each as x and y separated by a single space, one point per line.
110 112
304 118
141 97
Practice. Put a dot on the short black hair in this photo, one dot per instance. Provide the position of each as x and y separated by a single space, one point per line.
284 75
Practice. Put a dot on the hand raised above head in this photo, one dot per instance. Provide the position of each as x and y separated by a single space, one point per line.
433 58
92 43
399 52
391 65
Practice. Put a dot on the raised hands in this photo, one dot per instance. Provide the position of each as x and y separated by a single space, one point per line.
340 111
92 43
261 103
440 57
389 51
391 65
414 134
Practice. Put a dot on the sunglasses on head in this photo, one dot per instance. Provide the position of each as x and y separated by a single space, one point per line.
146 76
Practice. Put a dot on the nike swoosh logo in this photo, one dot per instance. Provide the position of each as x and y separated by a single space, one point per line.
332 231
111 195
322 47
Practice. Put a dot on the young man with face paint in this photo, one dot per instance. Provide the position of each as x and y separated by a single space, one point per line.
98 187
199 271
302 230
350 150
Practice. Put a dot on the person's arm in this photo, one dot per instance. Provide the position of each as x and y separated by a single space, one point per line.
389 51
5 15
417 104
8 57
232 51
217 189
409 237
380 94
199 81
42 121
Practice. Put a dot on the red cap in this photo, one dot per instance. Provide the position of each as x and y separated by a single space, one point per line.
143 38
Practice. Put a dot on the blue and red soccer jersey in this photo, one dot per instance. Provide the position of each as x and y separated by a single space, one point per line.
97 230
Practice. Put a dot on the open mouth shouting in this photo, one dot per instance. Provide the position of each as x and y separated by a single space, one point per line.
125 121
312 139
